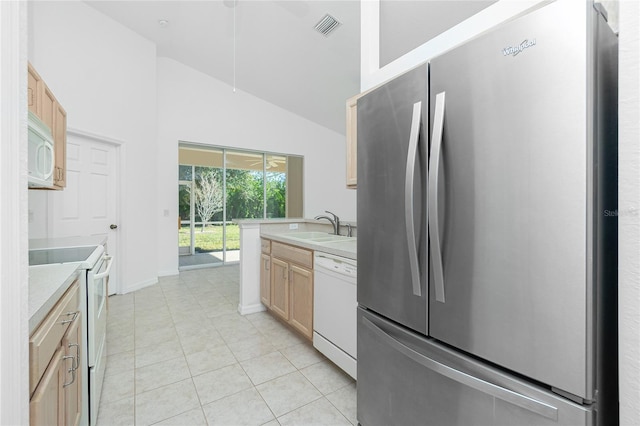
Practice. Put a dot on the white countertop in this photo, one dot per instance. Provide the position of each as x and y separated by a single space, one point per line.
338 248
47 284
45 243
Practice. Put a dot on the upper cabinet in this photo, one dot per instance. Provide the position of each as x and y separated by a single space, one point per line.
44 104
352 139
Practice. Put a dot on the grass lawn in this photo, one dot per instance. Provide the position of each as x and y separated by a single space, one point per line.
211 238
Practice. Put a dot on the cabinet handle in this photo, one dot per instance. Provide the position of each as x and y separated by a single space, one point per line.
77 357
72 370
284 274
266 265
75 314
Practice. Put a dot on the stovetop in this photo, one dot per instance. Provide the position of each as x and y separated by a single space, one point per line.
60 255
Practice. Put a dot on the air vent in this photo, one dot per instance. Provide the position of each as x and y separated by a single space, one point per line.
326 25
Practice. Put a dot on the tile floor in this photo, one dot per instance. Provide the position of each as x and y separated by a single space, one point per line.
178 353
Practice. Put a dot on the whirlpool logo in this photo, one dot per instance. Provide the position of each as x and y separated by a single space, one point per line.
516 50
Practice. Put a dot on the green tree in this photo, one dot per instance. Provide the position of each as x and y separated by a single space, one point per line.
244 194
276 194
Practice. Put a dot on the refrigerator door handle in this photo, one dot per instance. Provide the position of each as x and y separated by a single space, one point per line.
408 198
522 401
434 227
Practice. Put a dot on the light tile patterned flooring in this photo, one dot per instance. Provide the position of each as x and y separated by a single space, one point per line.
180 354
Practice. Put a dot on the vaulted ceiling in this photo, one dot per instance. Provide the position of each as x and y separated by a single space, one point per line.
267 48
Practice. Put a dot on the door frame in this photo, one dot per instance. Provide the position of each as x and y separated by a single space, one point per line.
192 217
120 150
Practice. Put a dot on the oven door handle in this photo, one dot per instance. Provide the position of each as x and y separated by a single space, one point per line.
106 272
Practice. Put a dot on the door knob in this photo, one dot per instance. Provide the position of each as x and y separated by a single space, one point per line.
113 226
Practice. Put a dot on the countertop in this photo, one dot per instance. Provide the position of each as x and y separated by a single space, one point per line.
346 248
47 284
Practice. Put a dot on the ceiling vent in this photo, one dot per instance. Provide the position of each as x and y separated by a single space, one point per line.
327 24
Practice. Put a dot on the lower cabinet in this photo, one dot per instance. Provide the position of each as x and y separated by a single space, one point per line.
73 374
45 407
280 287
301 293
54 347
265 279
290 285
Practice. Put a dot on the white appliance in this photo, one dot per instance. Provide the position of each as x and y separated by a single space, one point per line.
334 309
95 266
41 154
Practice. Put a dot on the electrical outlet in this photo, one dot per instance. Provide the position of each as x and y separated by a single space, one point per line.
293 226
166 213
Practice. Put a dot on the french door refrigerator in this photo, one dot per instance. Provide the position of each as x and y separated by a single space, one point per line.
487 240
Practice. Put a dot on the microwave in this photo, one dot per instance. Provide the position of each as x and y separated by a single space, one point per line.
41 154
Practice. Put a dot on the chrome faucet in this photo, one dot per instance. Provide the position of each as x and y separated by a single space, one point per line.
335 221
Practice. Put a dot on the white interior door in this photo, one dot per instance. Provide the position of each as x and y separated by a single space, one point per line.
88 205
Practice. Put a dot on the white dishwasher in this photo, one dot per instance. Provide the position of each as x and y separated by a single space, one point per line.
334 309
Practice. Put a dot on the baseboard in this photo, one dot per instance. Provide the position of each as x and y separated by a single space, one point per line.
140 285
168 273
251 309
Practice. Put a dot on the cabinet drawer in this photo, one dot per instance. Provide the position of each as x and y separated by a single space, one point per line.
293 254
46 339
265 246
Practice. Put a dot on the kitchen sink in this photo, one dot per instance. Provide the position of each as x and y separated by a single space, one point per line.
348 244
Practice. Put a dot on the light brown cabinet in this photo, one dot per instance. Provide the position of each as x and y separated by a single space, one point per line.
265 272
352 142
32 92
280 288
55 376
73 376
290 284
265 279
44 104
301 295
44 407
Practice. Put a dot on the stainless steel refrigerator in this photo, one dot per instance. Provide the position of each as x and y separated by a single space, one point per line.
487 230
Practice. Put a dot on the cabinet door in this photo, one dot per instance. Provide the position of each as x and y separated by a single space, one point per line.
72 386
265 280
46 406
47 102
280 287
301 287
59 130
32 89
352 139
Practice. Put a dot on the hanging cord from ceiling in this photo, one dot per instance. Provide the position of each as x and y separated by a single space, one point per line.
235 6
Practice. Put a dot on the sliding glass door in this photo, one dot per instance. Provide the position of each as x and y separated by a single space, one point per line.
218 185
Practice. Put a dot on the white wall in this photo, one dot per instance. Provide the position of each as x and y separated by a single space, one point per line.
105 77
629 208
14 297
197 108
372 74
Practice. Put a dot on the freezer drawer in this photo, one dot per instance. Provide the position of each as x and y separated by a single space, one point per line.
406 379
